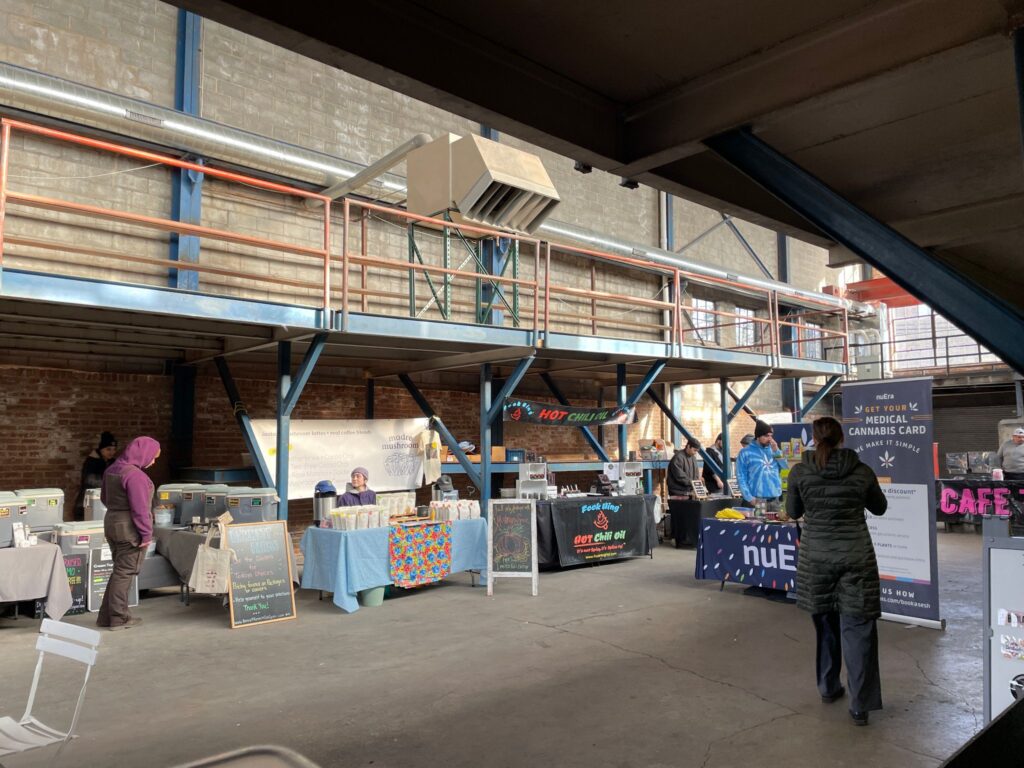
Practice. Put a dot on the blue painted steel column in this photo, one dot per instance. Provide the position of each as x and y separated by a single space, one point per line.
489 133
284 423
792 394
183 411
289 391
818 396
244 423
754 386
496 407
486 382
594 442
675 402
442 430
620 397
980 313
652 373
187 185
686 433
726 459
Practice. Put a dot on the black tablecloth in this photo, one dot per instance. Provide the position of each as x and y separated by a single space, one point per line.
684 518
547 546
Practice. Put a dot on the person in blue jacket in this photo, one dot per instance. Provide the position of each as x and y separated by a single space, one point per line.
758 468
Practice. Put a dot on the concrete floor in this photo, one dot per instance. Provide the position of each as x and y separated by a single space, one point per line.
626 664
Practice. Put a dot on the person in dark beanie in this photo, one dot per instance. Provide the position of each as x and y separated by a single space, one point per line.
682 470
759 466
93 467
837 575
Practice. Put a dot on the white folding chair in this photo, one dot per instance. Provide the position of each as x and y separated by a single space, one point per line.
71 642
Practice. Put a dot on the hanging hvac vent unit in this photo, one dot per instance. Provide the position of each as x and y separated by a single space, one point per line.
481 181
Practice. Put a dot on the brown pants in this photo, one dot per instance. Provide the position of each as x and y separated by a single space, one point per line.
123 539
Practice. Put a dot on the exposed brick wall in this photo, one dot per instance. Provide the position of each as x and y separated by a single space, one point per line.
53 418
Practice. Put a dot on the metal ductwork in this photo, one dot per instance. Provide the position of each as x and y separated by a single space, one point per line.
56 97
481 181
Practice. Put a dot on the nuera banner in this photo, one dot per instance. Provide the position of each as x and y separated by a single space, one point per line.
330 450
889 424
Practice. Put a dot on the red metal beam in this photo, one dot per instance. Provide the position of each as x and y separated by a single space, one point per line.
879 289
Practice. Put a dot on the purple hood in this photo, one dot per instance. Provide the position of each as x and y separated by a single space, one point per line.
139 454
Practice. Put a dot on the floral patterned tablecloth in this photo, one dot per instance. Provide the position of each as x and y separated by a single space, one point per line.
420 554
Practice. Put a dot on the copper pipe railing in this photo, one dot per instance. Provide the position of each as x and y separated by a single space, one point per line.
541 287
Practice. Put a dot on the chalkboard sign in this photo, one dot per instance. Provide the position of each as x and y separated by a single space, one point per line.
77 567
101 566
734 489
260 589
511 541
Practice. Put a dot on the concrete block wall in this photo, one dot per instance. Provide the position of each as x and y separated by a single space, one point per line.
128 47
49 168
123 46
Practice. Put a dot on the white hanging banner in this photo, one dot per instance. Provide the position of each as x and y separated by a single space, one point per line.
330 450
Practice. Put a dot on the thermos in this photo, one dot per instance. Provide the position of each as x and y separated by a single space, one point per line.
325 498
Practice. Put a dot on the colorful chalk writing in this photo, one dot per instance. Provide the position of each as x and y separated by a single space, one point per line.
260 589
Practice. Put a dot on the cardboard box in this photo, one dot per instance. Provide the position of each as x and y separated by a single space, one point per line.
497 455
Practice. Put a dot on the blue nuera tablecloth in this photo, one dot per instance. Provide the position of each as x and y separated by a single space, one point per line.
748 552
345 562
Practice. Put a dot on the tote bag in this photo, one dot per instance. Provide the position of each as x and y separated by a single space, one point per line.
211 570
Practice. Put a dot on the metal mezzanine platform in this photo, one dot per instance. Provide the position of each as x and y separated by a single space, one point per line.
132 324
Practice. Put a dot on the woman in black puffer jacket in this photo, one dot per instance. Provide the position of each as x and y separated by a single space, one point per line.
837 576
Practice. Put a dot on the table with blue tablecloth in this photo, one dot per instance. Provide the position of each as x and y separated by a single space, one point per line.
749 552
347 562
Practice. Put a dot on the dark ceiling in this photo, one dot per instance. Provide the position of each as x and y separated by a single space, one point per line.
908 108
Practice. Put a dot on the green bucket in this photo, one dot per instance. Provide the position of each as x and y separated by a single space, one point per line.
371 598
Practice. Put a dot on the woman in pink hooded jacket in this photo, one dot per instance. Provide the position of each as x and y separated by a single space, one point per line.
128 525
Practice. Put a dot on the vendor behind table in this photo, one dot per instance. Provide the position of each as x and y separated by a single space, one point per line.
1011 456
759 470
683 470
93 467
358 492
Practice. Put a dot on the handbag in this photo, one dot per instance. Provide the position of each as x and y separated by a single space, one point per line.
211 571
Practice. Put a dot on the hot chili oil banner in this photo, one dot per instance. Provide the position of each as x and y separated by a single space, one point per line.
889 424
530 412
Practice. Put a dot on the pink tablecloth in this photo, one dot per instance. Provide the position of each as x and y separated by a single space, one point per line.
28 573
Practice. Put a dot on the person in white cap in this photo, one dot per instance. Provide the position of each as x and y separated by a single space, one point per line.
1011 456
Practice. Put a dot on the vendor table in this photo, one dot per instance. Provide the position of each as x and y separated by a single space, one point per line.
685 515
552 551
180 546
347 562
29 573
748 552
